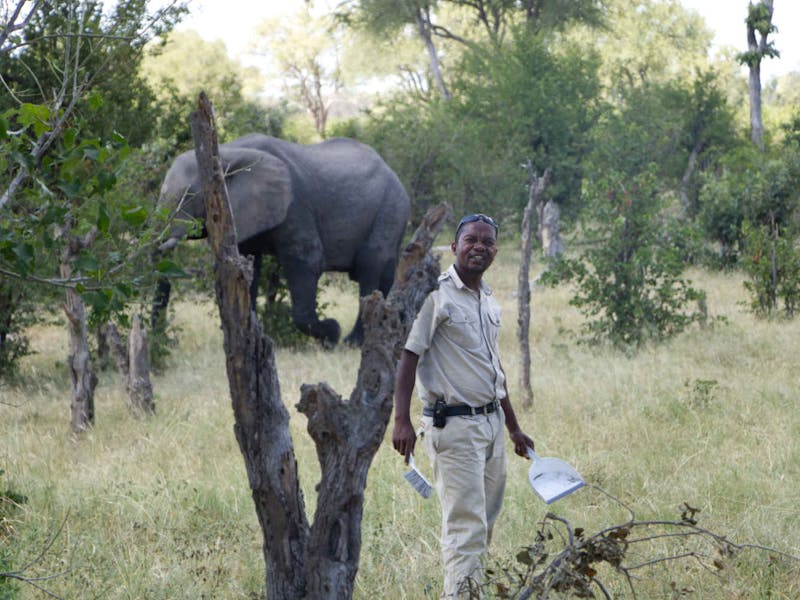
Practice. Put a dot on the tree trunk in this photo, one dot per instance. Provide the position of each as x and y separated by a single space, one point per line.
84 380
687 178
321 561
424 29
535 192
552 244
547 227
133 366
524 302
758 22
756 122
140 389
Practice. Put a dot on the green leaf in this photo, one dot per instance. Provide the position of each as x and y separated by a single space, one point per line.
86 264
98 300
106 181
91 153
69 137
124 289
134 216
103 220
95 100
170 268
36 116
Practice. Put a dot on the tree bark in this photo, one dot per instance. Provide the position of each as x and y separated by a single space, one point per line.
524 306
424 28
84 380
686 203
547 228
552 244
133 366
321 561
758 48
535 192
140 389
117 349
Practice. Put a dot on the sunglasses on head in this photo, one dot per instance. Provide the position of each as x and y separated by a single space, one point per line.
476 217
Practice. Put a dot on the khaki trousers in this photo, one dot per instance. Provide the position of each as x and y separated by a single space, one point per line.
469 473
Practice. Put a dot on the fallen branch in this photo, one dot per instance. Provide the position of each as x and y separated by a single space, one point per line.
565 560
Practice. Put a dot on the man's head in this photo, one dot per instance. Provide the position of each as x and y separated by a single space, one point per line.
475 245
473 218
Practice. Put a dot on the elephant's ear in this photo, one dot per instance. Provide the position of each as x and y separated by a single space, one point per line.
259 189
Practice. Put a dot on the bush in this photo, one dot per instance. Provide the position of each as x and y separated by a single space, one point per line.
629 280
773 266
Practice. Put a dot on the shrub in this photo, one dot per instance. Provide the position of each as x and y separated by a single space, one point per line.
773 266
629 279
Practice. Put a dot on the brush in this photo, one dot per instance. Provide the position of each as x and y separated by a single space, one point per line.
418 480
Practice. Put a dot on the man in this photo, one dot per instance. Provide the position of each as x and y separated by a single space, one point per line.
452 352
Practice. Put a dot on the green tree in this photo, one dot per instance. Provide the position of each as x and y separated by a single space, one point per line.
509 104
646 41
759 26
57 170
70 48
306 50
181 66
683 127
749 186
531 99
629 279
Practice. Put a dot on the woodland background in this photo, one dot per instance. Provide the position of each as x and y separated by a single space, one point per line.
663 319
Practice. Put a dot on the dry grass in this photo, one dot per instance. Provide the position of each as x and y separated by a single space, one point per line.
160 508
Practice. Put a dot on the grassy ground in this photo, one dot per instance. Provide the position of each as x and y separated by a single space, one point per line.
160 508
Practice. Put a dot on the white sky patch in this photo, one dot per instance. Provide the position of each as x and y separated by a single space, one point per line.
234 22
726 18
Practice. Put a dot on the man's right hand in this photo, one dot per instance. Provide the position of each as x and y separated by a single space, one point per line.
404 437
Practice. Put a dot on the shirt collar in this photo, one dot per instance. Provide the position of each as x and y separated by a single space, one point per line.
453 274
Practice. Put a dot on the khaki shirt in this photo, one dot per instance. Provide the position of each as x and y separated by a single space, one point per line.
455 337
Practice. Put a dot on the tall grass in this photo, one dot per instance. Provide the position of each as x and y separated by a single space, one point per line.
160 508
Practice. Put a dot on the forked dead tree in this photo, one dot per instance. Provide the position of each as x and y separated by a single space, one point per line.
318 560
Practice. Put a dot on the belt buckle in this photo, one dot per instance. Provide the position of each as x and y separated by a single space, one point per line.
473 411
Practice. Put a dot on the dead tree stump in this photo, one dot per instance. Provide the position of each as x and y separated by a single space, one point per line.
84 379
321 560
133 366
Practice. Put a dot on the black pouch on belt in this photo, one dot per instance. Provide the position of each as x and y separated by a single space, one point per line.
439 416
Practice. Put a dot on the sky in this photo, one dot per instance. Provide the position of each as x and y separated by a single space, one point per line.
234 20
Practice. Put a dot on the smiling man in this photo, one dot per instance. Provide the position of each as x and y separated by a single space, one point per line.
452 353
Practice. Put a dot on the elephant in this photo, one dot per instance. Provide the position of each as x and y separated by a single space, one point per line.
331 206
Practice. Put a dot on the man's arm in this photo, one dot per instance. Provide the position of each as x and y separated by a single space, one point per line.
403 436
521 440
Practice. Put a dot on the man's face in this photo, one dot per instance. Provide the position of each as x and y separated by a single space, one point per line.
475 247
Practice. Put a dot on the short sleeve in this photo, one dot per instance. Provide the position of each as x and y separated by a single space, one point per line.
421 334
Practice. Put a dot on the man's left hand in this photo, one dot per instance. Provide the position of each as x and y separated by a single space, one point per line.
521 442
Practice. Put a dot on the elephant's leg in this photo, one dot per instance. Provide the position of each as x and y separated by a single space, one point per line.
371 275
158 310
302 281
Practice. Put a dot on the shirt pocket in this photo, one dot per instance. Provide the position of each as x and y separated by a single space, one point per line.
493 323
463 329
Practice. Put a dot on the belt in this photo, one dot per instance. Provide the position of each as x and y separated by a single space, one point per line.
460 410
